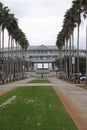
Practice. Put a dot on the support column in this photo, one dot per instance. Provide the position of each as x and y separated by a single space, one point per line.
52 66
48 66
32 66
42 65
28 66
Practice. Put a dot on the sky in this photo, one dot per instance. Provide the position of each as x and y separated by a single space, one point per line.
42 20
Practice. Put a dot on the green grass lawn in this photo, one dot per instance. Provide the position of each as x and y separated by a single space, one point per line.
40 80
33 108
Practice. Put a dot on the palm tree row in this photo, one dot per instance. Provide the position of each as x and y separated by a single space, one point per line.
15 37
72 19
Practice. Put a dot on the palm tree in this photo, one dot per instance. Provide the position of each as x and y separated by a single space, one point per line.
68 28
8 21
84 11
77 8
66 38
60 43
0 45
83 4
72 18
21 40
11 25
3 15
1 21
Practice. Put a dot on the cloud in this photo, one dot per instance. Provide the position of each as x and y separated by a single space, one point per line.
40 20
41 29
35 8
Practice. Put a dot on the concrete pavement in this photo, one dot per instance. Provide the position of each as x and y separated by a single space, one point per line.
74 99
77 94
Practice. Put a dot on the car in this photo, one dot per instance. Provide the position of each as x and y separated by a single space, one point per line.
83 78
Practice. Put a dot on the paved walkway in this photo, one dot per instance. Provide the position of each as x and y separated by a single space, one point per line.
74 98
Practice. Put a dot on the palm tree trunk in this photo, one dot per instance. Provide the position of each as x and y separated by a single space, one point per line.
20 62
0 40
0 46
3 56
72 47
16 60
86 55
66 56
73 57
78 53
8 59
67 52
13 60
60 55
70 63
